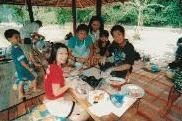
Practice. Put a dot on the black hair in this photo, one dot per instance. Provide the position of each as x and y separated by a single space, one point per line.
179 41
104 33
96 18
118 28
82 27
10 32
39 23
68 36
55 47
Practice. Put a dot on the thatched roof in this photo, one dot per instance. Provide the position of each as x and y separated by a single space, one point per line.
59 3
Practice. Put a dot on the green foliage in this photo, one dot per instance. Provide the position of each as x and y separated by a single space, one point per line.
84 15
172 14
47 15
20 14
152 13
64 15
129 18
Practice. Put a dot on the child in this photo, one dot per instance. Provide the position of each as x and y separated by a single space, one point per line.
55 86
38 53
103 42
123 53
81 44
176 89
21 63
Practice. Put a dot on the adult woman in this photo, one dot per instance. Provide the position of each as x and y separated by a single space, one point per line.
55 86
95 26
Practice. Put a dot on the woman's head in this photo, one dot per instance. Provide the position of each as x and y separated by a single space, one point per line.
118 33
59 54
95 23
82 31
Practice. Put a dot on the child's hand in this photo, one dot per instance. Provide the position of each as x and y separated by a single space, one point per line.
103 61
30 69
70 85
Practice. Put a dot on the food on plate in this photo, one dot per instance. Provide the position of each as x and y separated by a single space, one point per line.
99 97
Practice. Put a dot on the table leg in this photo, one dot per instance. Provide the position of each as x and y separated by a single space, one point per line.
137 104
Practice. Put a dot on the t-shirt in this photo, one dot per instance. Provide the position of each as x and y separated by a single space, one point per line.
28 29
95 36
80 48
125 55
73 41
54 75
18 56
103 47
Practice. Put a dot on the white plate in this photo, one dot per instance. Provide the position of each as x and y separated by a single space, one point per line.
115 80
97 96
132 90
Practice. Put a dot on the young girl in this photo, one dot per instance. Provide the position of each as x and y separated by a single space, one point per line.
55 86
80 45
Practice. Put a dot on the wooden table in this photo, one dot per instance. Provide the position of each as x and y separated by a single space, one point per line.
85 104
110 117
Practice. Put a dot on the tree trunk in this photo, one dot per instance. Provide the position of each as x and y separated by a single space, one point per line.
140 21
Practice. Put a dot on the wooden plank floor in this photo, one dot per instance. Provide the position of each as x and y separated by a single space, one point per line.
156 86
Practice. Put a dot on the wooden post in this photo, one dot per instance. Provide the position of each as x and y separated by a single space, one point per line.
30 11
74 15
99 12
98 7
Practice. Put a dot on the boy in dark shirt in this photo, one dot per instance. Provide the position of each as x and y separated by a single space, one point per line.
123 53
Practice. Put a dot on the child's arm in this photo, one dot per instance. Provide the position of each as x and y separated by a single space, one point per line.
26 66
57 90
91 51
33 61
120 67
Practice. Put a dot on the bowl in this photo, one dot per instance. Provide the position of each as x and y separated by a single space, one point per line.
117 99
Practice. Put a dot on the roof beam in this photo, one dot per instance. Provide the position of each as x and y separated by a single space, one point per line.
98 7
74 15
30 11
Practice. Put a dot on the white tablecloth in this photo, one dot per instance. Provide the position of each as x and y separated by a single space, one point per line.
107 107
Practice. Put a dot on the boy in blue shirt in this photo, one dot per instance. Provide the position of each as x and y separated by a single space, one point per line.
21 62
